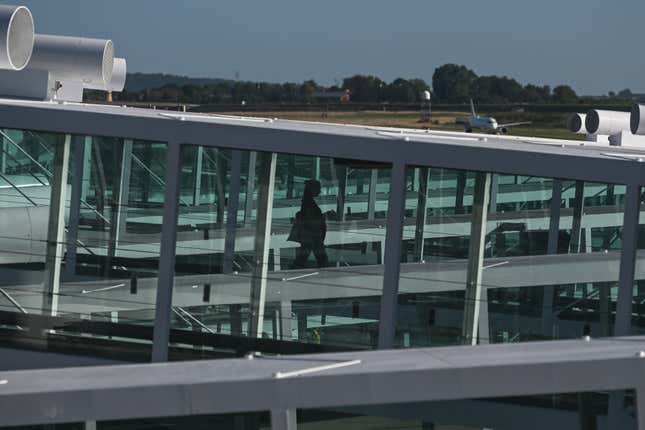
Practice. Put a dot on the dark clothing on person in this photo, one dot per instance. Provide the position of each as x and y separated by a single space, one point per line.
311 233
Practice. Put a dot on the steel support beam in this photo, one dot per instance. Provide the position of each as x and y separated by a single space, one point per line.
3 155
56 226
250 187
342 189
163 306
623 320
422 210
232 208
119 223
284 419
197 175
475 296
266 183
392 258
291 172
315 168
640 408
576 224
552 248
371 197
627 261
494 188
87 167
460 191
78 143
220 175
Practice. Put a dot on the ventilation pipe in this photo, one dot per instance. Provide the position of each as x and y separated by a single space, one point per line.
607 122
638 119
117 83
576 123
17 34
89 61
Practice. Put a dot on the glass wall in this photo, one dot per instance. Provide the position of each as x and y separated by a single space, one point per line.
542 277
280 246
81 222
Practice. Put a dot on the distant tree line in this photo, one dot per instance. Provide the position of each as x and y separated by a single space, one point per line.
451 83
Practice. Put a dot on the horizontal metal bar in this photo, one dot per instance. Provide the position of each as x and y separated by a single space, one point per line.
505 157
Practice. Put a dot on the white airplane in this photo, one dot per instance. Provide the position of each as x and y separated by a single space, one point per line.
487 124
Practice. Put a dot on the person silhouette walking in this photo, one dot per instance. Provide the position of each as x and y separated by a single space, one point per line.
309 228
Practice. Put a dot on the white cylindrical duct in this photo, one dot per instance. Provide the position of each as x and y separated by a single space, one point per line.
606 121
576 123
17 34
117 83
74 58
638 119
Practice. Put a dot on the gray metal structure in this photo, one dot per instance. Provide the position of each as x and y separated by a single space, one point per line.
339 380
536 368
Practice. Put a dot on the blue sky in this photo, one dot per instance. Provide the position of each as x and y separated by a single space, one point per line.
593 45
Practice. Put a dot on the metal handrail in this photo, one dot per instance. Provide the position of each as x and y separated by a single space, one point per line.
192 318
15 187
13 301
33 160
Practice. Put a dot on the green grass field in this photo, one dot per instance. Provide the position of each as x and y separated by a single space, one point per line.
550 125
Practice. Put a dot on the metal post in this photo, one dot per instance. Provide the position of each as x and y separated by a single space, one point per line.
266 182
90 425
220 175
123 198
494 186
231 215
342 188
640 408
286 320
197 179
167 254
87 167
316 168
422 209
291 167
250 186
56 227
392 259
284 419
623 321
552 248
75 204
460 192
371 197
627 261
576 224
554 219
3 156
475 296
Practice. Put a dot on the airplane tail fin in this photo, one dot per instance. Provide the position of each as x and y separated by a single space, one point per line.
472 109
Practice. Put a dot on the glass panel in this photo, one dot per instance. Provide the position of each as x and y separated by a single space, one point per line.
100 261
313 290
529 294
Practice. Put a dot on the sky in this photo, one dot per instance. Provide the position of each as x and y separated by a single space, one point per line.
595 46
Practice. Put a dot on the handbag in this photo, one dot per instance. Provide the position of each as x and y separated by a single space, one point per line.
295 235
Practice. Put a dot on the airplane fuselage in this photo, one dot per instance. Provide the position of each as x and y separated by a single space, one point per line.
482 123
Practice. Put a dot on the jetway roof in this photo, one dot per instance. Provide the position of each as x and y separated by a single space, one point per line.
536 144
